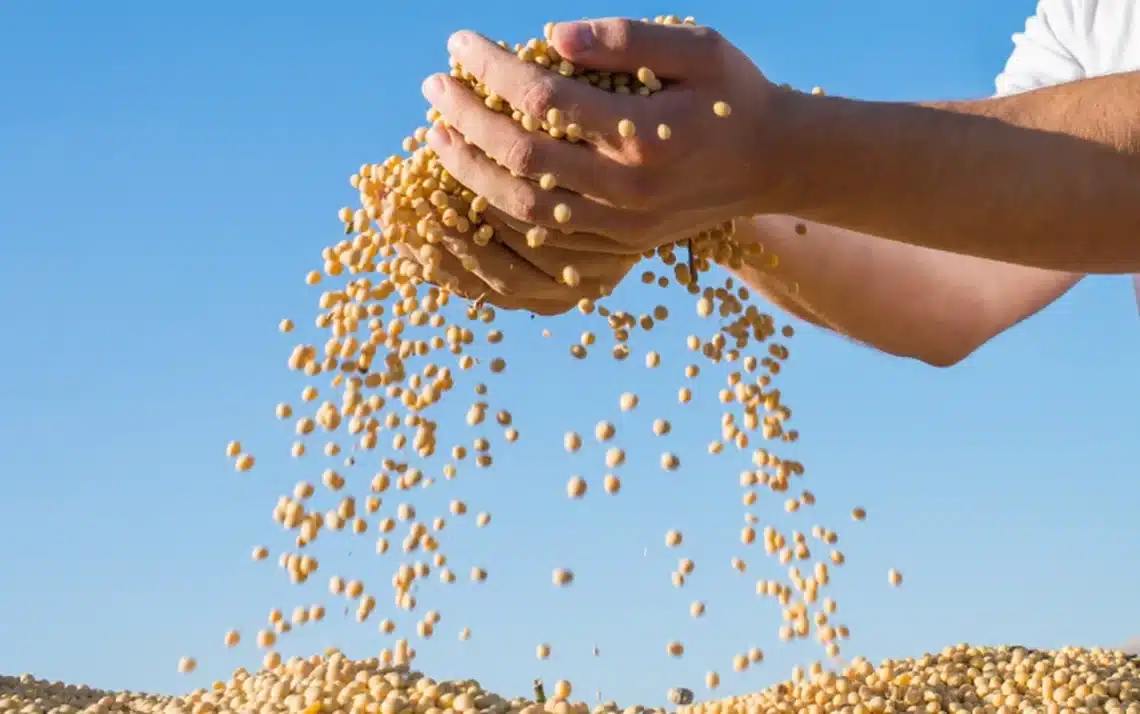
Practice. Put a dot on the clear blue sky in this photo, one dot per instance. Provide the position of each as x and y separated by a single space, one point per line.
170 172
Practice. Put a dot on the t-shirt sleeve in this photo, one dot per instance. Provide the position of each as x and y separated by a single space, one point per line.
1041 53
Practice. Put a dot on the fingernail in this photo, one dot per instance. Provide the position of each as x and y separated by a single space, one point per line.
458 41
575 36
432 87
438 135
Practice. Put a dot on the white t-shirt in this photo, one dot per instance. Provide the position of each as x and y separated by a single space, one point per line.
1067 40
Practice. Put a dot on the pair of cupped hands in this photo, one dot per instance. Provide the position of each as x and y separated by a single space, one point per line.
626 194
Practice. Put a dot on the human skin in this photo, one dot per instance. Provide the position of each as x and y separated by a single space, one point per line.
498 272
929 305
1047 180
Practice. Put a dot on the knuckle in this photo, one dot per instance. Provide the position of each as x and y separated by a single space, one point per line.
619 33
523 156
540 96
523 204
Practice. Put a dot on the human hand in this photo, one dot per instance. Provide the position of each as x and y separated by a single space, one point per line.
686 168
507 272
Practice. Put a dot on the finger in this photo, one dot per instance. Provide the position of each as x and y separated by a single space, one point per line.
589 243
576 166
486 260
536 90
512 269
570 242
449 273
683 225
678 51
442 269
591 267
502 269
566 240
494 262
525 200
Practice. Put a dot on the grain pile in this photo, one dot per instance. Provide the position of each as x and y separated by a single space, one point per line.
1000 680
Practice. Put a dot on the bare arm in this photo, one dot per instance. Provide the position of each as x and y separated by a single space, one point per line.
1048 178
929 305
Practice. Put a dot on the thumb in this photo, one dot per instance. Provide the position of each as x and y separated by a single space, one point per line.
677 52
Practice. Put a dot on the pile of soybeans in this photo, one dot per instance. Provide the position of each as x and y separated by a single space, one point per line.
398 343
959 679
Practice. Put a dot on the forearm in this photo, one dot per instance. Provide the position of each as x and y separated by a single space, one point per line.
760 279
929 305
1049 178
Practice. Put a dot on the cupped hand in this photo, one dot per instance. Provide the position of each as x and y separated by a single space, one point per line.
694 161
509 273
